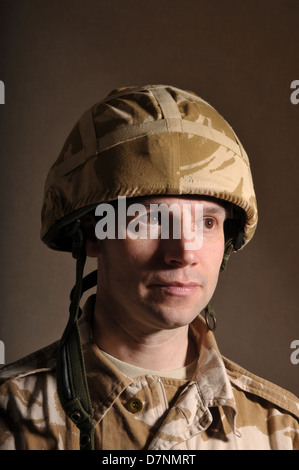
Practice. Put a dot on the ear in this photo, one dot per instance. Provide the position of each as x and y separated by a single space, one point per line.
92 243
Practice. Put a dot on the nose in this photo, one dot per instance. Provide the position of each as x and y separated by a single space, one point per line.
177 253
184 238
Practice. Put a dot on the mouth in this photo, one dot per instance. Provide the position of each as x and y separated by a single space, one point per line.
175 288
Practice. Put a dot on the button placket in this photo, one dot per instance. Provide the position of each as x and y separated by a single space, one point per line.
162 394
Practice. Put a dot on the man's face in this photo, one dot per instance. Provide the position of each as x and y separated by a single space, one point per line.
153 284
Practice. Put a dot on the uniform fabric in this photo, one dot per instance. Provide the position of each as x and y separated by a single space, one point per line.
222 407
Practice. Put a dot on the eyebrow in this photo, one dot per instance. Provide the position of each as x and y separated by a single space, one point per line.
215 209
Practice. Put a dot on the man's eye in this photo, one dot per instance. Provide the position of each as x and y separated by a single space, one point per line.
153 218
150 218
209 223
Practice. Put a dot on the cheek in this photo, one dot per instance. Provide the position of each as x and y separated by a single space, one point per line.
125 259
111 262
213 259
219 252
139 253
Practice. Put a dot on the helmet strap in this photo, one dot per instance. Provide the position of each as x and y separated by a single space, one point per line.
210 317
229 247
71 375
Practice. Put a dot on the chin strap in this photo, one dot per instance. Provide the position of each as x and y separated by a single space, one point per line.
228 249
71 376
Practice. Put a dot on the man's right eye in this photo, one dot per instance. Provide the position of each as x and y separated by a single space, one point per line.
150 218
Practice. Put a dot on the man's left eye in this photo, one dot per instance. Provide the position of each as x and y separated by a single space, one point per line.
209 223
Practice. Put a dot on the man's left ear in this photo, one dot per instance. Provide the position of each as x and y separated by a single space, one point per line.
92 244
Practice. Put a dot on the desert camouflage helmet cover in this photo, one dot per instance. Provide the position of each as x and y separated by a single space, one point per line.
142 141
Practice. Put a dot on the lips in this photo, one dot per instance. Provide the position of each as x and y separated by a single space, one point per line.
175 283
175 287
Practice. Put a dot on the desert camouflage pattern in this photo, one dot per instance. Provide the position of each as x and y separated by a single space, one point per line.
152 140
222 407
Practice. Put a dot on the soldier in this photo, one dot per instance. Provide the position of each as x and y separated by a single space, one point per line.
138 367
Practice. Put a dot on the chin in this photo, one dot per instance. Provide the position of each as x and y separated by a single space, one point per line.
172 318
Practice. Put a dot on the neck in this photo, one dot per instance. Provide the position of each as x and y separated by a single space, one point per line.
160 350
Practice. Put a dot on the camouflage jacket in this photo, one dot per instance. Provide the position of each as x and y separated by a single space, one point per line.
222 407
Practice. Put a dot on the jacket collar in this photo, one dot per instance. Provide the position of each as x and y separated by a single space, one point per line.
210 385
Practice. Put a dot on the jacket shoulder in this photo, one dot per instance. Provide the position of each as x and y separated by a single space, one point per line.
39 361
255 385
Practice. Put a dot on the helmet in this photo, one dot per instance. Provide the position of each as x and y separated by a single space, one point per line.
138 141
152 140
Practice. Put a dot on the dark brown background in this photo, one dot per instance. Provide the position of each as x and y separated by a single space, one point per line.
59 57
